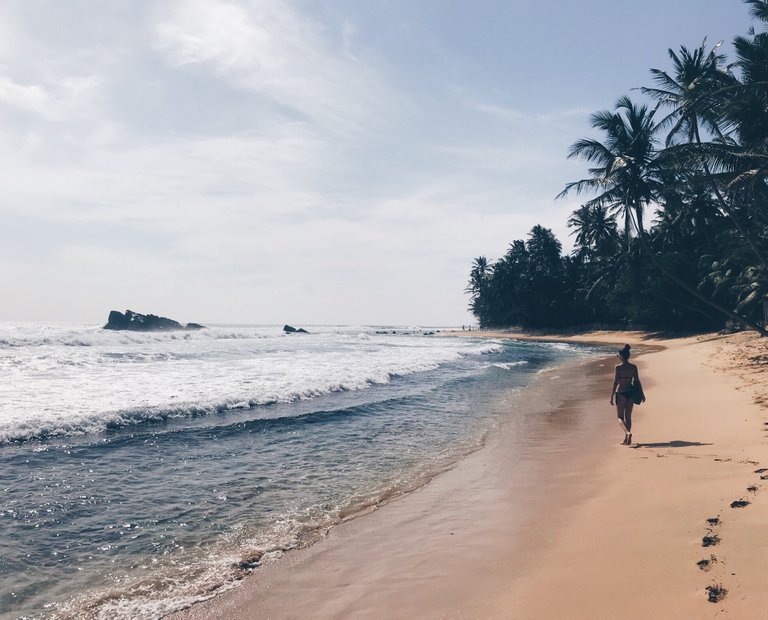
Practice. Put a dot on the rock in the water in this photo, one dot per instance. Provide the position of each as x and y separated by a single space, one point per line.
133 321
289 329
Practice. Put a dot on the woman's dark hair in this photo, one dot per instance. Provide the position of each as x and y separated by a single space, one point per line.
624 353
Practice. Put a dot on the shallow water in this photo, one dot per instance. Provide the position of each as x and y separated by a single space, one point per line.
141 472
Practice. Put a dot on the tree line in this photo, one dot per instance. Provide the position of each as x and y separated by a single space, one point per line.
692 159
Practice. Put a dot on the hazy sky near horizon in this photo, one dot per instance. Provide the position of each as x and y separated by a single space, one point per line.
308 161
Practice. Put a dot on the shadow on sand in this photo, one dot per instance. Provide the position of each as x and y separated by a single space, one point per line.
676 443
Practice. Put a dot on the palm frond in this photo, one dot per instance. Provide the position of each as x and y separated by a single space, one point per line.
591 150
758 9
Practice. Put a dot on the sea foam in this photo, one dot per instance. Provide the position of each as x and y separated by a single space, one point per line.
62 380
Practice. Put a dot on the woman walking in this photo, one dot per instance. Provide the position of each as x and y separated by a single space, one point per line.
627 391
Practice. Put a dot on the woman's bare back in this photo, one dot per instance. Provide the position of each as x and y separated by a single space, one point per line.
625 374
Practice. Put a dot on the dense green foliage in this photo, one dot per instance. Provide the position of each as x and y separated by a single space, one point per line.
693 160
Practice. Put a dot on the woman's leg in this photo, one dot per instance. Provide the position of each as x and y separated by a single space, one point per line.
621 406
628 406
628 418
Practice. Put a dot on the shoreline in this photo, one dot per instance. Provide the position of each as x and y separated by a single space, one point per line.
610 531
473 505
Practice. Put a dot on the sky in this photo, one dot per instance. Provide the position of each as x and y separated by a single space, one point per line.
306 161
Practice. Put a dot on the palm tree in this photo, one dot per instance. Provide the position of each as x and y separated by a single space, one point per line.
597 241
748 111
478 276
544 250
726 280
595 231
512 286
550 304
697 76
581 222
630 175
604 234
708 181
689 223
479 280
759 9
698 91
626 172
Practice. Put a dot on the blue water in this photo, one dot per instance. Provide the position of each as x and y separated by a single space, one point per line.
138 504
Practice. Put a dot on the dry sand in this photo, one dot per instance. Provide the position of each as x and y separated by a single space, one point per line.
598 530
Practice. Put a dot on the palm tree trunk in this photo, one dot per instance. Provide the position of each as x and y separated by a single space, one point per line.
628 227
686 287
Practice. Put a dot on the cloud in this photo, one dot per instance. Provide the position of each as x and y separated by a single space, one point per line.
246 161
500 112
518 117
32 98
270 50
349 32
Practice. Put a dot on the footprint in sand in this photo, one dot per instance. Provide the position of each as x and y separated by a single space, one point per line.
710 540
716 593
739 503
752 489
706 564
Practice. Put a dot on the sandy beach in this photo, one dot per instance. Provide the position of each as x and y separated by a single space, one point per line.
670 527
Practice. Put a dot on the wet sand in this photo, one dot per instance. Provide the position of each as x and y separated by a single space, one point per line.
570 524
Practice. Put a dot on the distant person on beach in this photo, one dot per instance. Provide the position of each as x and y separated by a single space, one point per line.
627 390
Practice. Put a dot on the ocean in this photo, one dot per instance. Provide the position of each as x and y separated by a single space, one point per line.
143 472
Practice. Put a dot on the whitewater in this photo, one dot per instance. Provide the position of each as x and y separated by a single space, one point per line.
63 381
142 472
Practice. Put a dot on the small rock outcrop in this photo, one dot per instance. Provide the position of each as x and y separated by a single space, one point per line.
288 329
135 322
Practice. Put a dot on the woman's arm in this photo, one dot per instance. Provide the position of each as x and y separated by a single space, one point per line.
615 383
